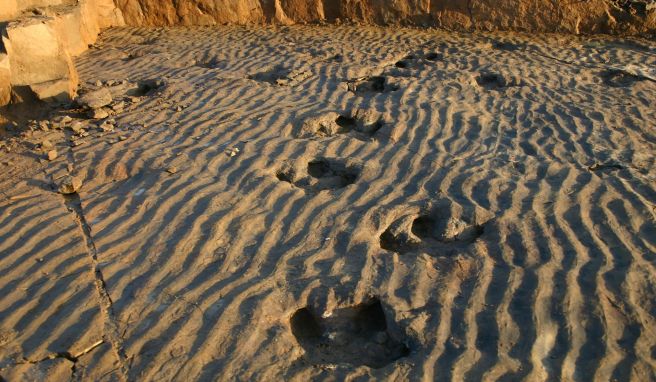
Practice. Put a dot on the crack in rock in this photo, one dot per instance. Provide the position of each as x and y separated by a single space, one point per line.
73 358
110 329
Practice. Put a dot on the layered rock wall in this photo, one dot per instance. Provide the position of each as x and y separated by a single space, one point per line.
588 16
37 45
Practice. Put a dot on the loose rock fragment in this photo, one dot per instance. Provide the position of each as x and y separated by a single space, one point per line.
66 120
52 155
99 114
106 127
69 185
118 106
46 144
76 127
231 152
95 99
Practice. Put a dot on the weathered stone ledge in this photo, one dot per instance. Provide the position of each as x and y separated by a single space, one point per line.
37 46
588 16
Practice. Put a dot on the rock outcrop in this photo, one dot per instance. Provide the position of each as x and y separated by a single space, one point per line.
592 16
38 43
5 79
38 59
8 9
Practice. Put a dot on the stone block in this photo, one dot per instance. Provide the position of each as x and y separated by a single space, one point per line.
5 80
38 57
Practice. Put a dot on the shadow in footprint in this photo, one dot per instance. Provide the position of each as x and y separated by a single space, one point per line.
362 124
282 76
442 231
210 64
618 78
146 88
496 81
373 84
608 166
433 56
321 174
412 61
355 336
330 174
506 46
406 62
134 56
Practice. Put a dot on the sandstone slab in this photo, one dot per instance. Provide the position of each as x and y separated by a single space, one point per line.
5 80
95 99
37 62
39 59
8 9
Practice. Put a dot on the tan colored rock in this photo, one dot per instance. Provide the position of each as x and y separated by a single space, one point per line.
79 24
8 9
77 27
95 99
28 4
98 114
107 14
5 80
38 59
76 127
39 48
46 144
593 16
52 155
188 12
58 90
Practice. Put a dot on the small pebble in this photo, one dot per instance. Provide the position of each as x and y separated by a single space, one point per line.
106 127
99 114
118 107
231 152
46 144
76 127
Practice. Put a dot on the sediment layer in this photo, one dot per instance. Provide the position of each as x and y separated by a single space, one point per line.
339 203
594 16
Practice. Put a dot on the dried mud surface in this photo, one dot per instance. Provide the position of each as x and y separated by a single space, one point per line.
325 203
